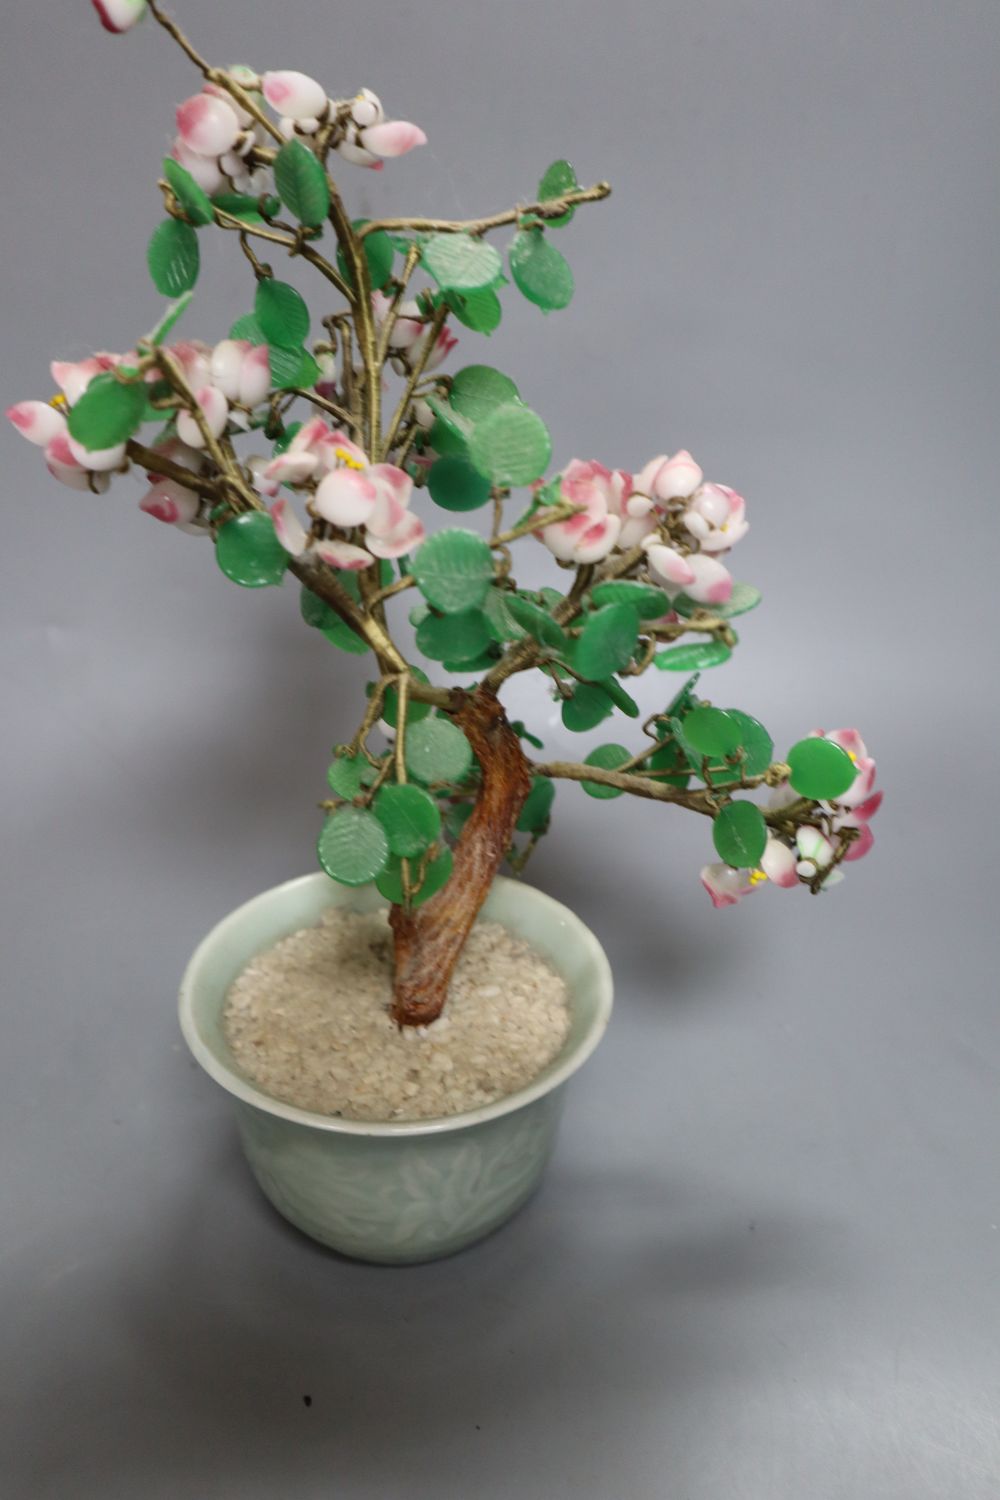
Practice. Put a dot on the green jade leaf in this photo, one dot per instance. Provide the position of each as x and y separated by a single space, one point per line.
820 769
540 271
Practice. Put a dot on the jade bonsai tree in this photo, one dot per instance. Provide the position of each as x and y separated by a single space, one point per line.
287 446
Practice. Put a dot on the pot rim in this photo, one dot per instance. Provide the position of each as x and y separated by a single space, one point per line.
567 1061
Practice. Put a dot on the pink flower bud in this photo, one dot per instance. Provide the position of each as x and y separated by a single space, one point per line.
392 138
215 409
226 364
119 15
218 92
37 421
171 503
255 376
294 94
207 125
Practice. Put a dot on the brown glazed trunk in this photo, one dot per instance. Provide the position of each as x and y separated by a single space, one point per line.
429 938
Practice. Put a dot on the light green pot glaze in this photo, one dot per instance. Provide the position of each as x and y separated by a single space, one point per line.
399 1192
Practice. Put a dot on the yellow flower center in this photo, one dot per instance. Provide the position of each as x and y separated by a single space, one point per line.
757 876
348 458
853 754
58 400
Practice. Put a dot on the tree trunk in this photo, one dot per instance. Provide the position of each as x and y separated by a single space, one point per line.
429 938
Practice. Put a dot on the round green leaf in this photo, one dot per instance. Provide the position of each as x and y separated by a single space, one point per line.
558 180
648 602
711 733
740 835
496 607
107 413
301 183
282 313
609 758
477 391
540 271
821 770
193 199
379 252
437 750
587 707
173 257
697 655
352 846
410 818
454 570
755 742
536 622
534 815
347 774
414 711
460 263
455 485
436 877
480 311
458 637
248 551
512 445
607 642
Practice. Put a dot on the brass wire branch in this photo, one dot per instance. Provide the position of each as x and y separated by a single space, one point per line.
552 208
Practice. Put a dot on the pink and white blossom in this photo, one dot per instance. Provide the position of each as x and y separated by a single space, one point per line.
63 465
610 513
241 371
716 517
215 411
119 15
778 863
73 376
173 504
703 579
861 792
369 136
725 885
666 478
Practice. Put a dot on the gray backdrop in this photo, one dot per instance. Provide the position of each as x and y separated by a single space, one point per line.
765 1263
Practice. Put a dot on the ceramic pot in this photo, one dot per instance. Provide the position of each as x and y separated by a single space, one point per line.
402 1191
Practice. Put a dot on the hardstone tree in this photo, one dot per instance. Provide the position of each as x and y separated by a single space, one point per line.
639 555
